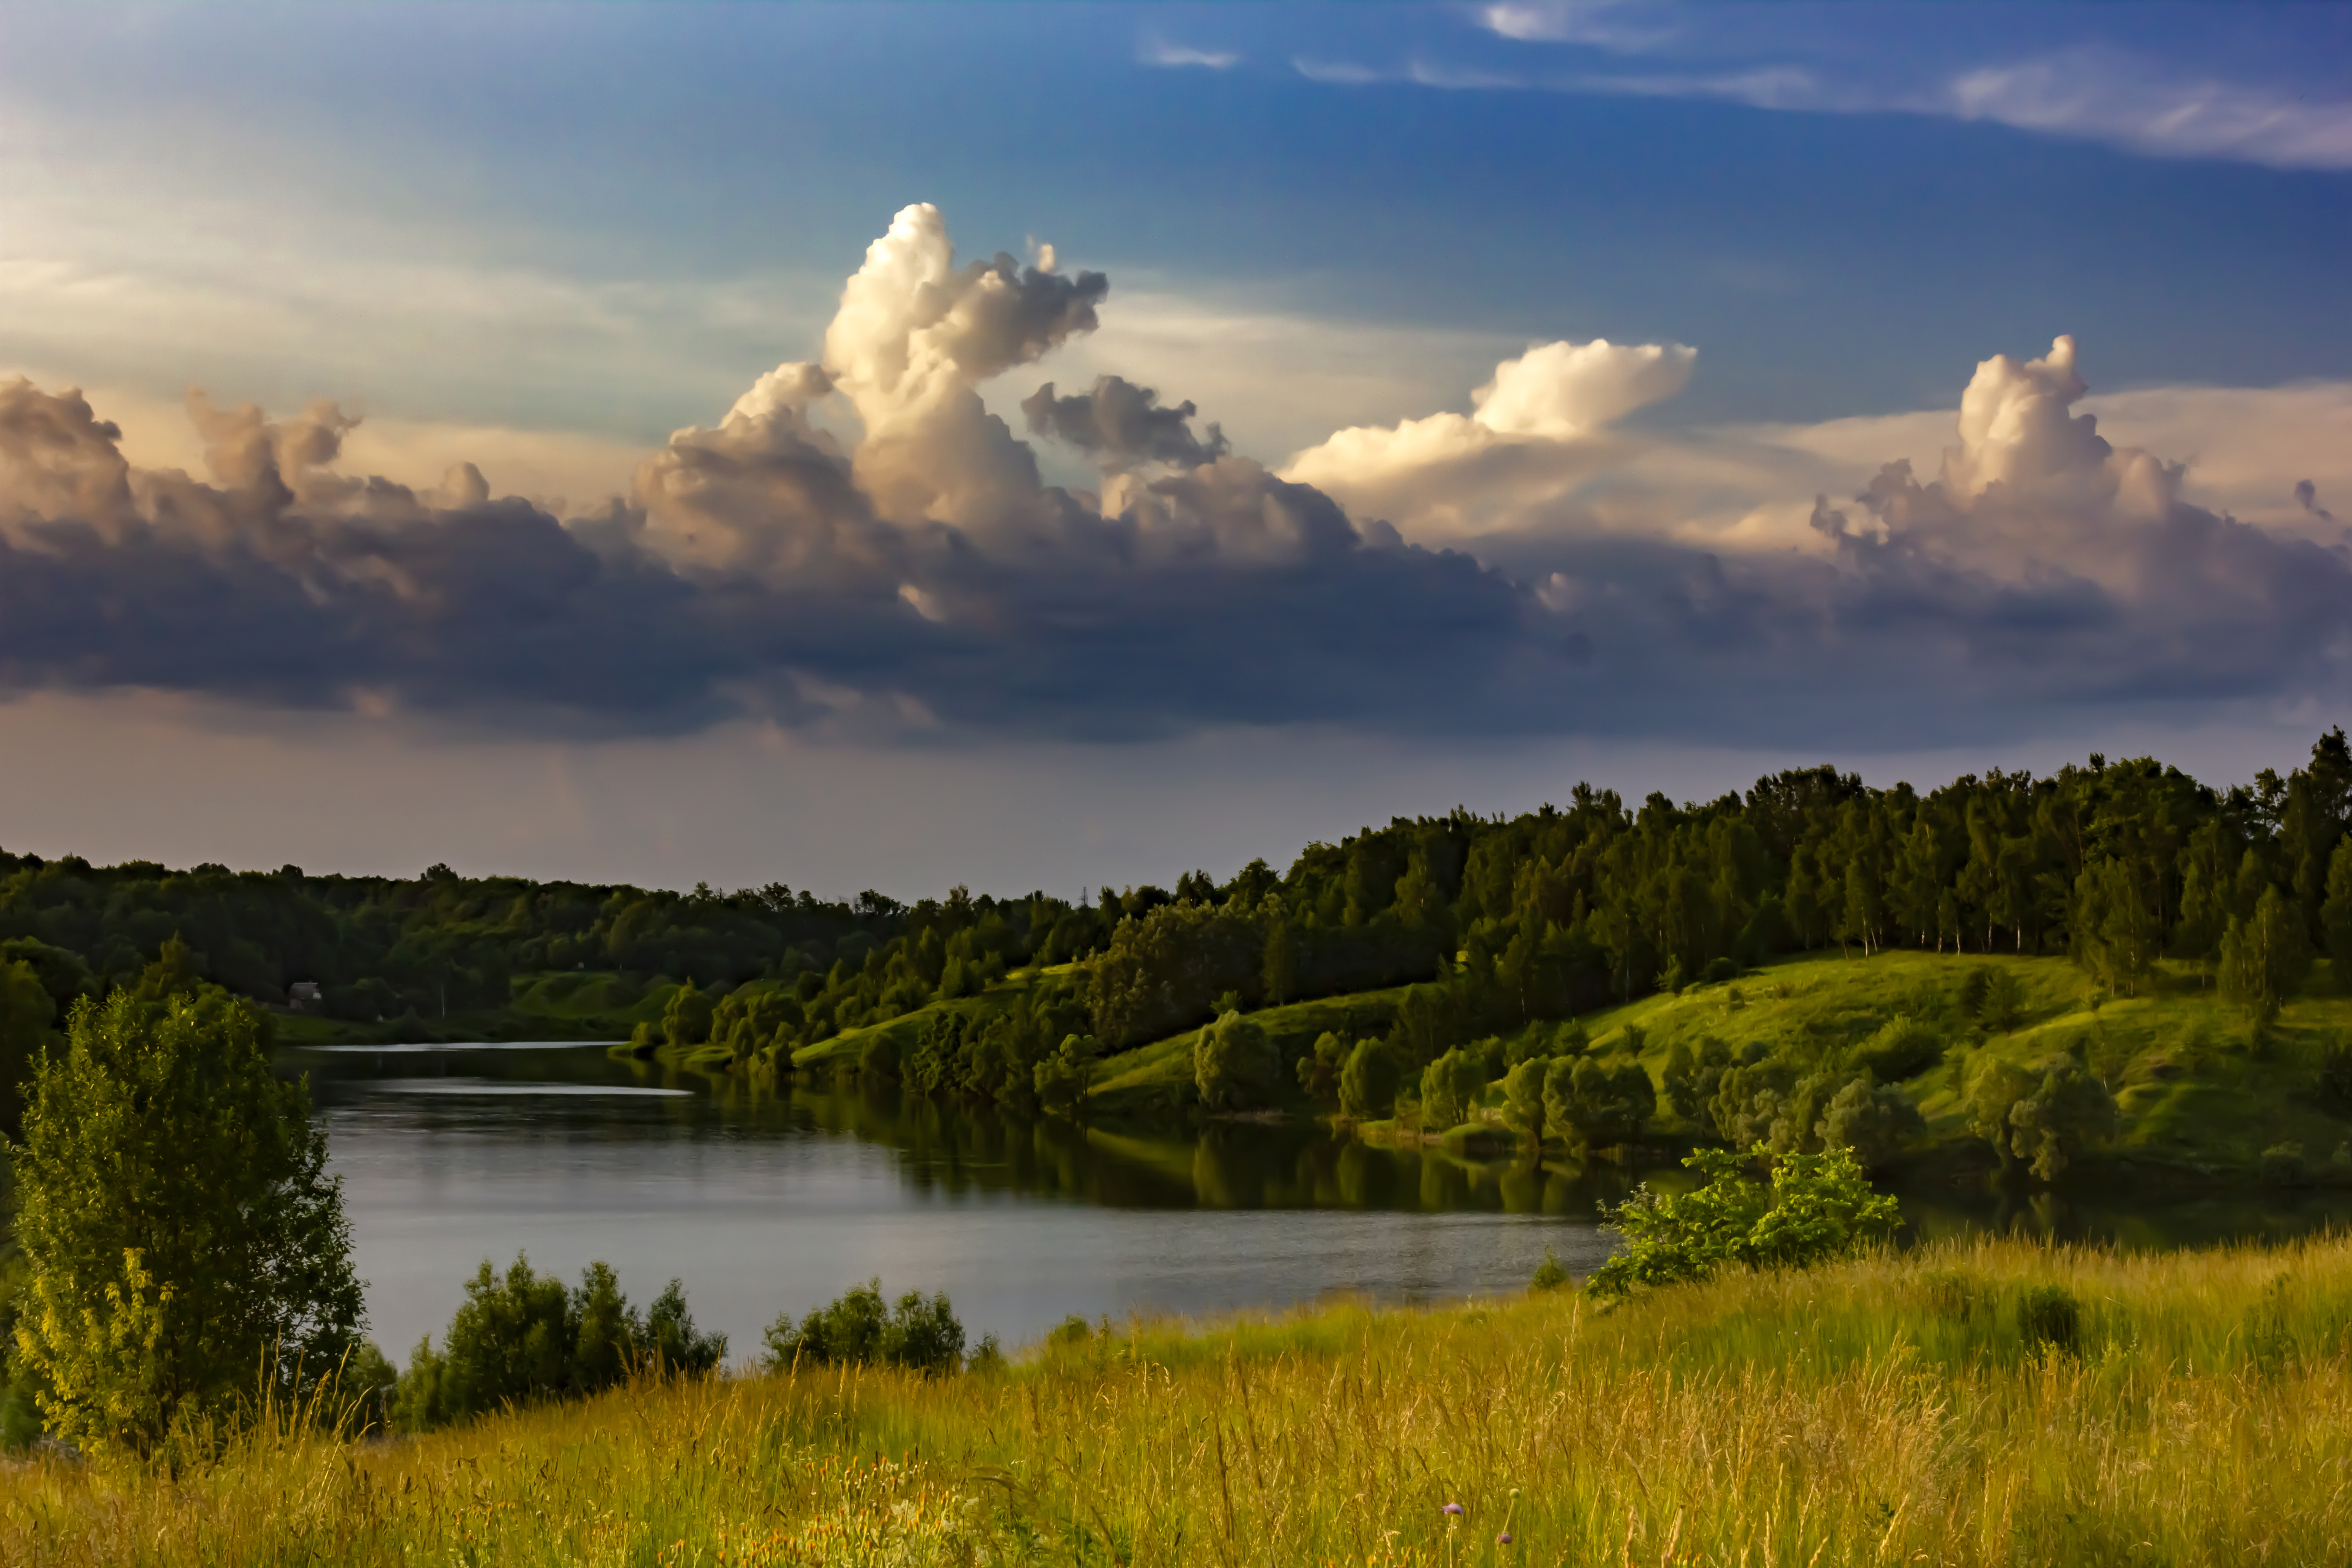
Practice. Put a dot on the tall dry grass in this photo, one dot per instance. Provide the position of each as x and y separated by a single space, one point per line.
1890 1410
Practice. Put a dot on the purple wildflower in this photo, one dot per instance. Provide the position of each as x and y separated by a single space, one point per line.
1453 1508
1503 1539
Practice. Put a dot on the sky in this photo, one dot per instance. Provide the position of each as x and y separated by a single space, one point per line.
1048 446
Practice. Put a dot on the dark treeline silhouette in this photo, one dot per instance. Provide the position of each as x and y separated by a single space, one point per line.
1489 922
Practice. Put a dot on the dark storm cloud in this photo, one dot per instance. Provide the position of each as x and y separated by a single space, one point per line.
922 579
1122 425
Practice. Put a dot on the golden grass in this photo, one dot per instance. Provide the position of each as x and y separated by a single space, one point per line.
1884 1411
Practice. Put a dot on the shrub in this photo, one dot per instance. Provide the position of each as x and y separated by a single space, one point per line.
522 1337
1549 1274
855 1329
1072 1330
2049 1317
1818 1208
1902 1048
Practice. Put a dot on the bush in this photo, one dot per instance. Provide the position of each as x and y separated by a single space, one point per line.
524 1337
1549 1274
921 1335
1234 1065
1902 1048
1818 1208
1368 1084
2049 1317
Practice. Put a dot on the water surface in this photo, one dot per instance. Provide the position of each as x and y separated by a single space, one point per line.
764 1202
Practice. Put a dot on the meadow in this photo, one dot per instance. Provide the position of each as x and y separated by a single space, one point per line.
1988 1402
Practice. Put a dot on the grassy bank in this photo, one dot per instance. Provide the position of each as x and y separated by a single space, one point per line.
1945 1406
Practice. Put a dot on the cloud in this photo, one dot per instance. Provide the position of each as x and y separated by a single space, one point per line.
861 546
1858 61
1624 26
1123 425
1537 429
1161 52
2103 96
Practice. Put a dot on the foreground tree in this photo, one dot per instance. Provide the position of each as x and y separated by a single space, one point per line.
181 1232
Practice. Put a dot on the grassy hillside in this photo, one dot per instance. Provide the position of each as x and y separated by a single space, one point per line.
2200 1092
1995 1403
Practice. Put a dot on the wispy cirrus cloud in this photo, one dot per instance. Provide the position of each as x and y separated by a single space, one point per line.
2093 90
1158 51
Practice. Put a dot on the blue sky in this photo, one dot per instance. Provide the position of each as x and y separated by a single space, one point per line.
543 239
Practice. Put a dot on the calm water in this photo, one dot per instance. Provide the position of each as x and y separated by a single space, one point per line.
769 1201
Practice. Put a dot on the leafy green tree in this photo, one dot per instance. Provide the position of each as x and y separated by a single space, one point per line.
1523 1098
2336 912
2116 936
1450 1089
2265 958
878 1058
1368 1083
1063 1078
1692 1077
179 1222
1320 1069
25 1014
686 1021
1234 1064
2044 1117
1875 1120
1281 963
1603 1107
1819 1208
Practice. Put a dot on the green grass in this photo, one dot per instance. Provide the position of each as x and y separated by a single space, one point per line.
2201 1094
1888 1410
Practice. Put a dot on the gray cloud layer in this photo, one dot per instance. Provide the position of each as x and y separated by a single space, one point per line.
920 578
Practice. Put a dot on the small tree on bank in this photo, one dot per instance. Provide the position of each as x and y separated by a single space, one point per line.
181 1231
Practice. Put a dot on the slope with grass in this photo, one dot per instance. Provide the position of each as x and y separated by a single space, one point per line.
1990 1402
2202 1095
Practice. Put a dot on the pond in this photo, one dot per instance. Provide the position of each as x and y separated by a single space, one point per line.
766 1200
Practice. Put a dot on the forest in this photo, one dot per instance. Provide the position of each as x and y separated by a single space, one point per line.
1443 932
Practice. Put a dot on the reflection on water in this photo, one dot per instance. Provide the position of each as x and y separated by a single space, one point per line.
765 1201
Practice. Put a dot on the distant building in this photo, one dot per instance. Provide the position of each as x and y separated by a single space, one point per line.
303 996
